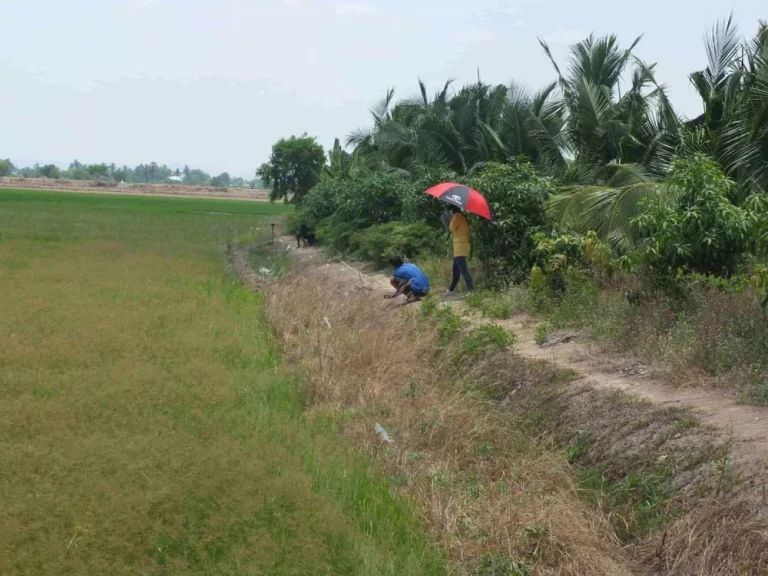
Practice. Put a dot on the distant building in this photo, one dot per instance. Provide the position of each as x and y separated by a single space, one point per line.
176 179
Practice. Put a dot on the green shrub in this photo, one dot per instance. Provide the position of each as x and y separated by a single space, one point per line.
429 306
556 255
542 333
377 243
448 323
420 207
335 234
293 220
484 339
323 200
376 199
701 230
518 195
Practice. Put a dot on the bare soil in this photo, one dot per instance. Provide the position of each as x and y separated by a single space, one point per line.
163 190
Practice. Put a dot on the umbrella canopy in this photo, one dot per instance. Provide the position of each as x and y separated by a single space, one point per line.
462 197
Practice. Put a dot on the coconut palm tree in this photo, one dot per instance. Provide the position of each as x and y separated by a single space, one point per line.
456 131
614 144
734 89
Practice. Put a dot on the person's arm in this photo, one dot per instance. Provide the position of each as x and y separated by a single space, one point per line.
400 289
452 224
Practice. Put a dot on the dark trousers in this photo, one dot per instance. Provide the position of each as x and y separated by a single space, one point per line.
460 268
407 290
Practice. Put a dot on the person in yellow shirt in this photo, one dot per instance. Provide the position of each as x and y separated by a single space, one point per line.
459 227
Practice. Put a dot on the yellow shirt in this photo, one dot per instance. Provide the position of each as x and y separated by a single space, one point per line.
459 227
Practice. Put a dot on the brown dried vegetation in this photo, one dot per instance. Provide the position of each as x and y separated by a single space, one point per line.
479 446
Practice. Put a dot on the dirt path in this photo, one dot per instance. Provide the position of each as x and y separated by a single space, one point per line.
746 426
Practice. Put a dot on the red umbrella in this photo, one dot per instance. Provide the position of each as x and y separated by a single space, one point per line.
463 197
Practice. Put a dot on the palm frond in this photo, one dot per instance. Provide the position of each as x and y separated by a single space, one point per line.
360 137
722 47
562 81
380 110
607 208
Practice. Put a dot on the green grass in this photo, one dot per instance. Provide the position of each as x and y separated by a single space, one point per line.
151 204
637 505
499 305
485 339
448 323
147 426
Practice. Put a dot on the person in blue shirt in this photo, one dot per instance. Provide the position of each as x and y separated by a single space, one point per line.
408 279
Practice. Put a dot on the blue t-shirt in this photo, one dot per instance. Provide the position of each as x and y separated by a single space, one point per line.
420 282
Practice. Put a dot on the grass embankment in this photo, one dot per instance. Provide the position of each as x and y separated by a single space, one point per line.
498 500
515 470
146 425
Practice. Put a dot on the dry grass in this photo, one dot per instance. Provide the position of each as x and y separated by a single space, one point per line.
719 539
478 448
498 500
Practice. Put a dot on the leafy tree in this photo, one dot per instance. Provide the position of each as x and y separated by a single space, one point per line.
374 200
6 168
77 171
293 168
420 207
378 243
702 230
221 181
151 173
196 177
345 207
99 171
237 182
518 195
30 171
123 174
50 171
323 200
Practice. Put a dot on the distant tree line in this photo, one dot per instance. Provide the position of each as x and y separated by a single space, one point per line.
152 173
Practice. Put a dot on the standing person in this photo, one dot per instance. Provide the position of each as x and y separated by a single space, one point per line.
459 227
302 234
408 279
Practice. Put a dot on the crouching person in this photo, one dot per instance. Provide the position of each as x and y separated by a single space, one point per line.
409 280
303 235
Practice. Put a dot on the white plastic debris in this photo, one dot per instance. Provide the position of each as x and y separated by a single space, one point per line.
327 322
383 434
264 271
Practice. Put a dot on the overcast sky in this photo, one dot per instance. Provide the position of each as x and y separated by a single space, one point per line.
213 83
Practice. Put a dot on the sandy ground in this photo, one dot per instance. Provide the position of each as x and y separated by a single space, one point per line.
745 426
